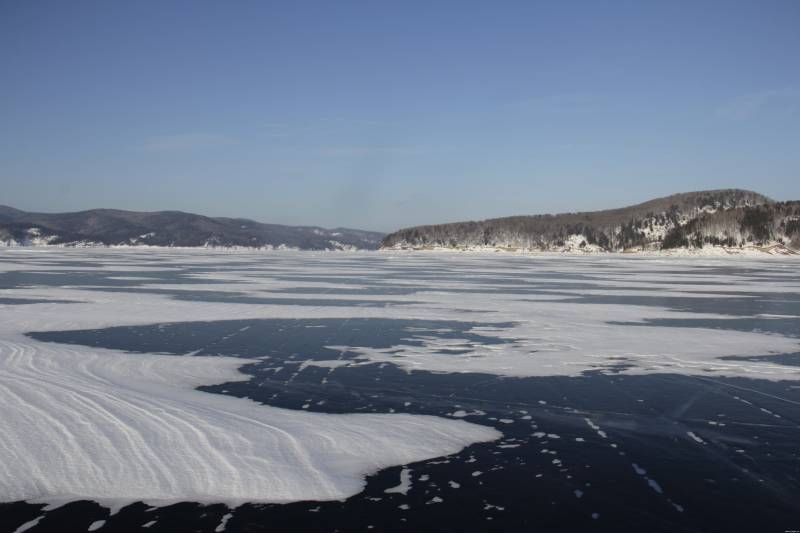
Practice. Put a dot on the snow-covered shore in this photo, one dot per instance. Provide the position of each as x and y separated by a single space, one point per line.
775 249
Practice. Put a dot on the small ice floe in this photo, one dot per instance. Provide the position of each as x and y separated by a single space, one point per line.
596 428
454 485
404 507
654 485
508 446
405 483
28 525
462 413
539 434
695 438
97 524
651 482
578 493
506 421
424 477
223 523
595 516
55 505
579 439
151 523
477 473
435 499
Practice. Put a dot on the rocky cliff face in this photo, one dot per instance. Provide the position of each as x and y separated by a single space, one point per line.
729 217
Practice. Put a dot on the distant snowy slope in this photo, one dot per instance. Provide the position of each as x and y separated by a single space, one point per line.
170 228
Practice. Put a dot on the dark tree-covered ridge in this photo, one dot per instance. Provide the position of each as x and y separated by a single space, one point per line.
725 217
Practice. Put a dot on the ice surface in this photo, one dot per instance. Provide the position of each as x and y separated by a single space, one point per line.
82 422
85 423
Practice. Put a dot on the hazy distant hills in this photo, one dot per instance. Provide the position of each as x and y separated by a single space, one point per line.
170 228
725 219
728 220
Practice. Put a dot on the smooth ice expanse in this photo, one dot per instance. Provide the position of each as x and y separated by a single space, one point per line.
81 422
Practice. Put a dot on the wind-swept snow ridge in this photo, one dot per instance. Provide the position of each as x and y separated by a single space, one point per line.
81 423
87 423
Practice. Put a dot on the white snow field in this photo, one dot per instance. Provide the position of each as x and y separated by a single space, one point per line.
90 423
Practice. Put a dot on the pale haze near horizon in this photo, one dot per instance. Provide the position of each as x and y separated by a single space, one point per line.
380 116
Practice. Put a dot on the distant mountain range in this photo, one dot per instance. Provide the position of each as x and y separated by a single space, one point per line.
726 220
111 227
729 220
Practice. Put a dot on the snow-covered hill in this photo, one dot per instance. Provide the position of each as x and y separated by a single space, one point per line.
110 227
725 221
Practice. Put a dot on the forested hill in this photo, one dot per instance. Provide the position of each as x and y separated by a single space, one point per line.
730 218
170 228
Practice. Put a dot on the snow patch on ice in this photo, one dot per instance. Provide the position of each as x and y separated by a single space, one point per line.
223 523
405 483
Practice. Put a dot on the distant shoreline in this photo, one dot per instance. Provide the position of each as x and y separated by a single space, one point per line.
776 250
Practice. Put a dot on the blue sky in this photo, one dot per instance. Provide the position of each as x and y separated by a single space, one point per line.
380 115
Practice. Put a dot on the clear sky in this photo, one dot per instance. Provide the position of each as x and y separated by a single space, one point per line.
379 115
